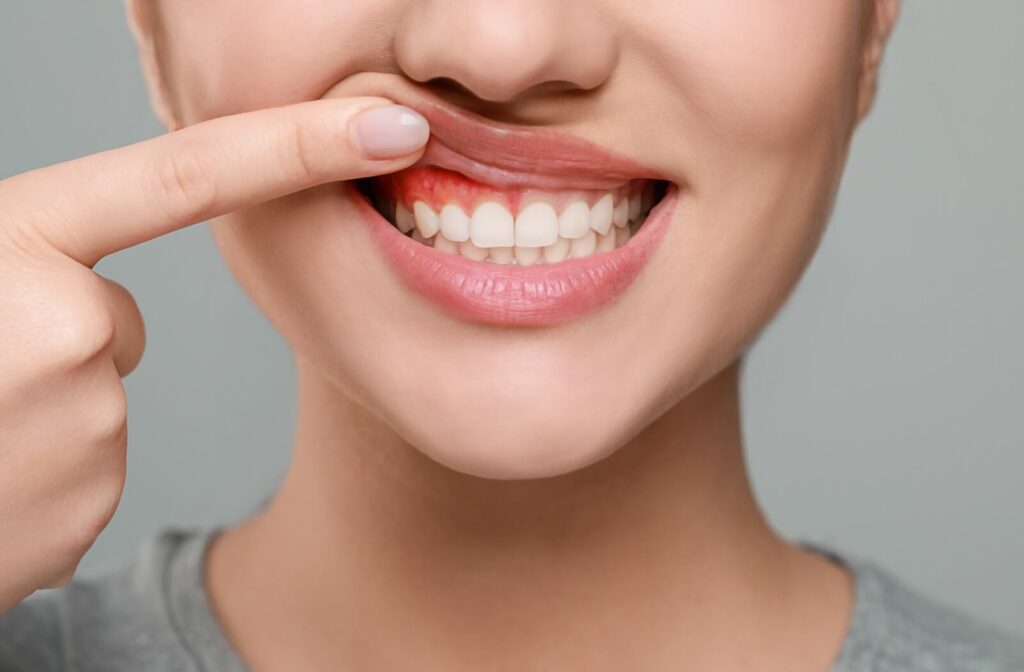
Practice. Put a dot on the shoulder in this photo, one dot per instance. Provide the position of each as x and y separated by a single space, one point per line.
897 628
928 635
30 638
119 615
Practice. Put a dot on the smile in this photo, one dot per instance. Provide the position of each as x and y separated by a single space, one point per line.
515 227
447 211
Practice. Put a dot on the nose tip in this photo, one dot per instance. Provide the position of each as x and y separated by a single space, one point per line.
498 50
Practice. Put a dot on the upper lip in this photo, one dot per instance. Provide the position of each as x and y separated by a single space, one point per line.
509 156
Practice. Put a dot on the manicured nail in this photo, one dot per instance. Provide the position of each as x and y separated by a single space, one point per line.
390 132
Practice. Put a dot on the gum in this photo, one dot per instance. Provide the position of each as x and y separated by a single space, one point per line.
437 187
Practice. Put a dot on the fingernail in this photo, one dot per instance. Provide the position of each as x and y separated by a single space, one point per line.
390 132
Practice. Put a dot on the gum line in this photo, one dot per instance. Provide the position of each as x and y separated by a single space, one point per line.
438 187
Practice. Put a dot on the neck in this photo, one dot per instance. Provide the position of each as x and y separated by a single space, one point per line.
369 538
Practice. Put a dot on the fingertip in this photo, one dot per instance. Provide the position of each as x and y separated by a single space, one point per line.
390 132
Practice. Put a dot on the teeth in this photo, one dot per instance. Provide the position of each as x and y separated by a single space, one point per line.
492 226
601 214
471 251
620 216
454 223
445 245
575 220
622 236
426 219
583 247
558 251
537 226
418 237
528 255
537 235
563 248
634 207
404 219
502 255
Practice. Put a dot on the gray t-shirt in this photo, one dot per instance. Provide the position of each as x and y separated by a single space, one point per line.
153 615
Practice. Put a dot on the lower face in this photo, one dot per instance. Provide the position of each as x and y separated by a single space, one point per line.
390 288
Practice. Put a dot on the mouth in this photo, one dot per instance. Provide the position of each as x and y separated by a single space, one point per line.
447 211
514 226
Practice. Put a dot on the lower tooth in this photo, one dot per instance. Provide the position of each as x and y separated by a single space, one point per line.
558 251
502 255
562 249
471 251
583 247
622 236
445 245
527 255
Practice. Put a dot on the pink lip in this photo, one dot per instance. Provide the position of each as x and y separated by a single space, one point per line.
538 295
507 157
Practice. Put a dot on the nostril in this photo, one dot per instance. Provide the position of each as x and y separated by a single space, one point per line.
447 84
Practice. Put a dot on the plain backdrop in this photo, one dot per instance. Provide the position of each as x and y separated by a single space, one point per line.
883 406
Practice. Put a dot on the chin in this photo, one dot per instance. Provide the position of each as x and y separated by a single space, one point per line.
512 410
513 440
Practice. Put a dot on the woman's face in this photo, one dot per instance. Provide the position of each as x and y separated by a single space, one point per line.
744 109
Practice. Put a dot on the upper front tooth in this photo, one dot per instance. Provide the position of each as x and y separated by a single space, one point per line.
492 226
426 219
601 214
454 223
404 220
620 216
537 226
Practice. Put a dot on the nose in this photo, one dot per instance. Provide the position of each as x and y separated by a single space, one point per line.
500 49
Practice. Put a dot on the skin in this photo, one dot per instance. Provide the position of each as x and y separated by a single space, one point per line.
434 518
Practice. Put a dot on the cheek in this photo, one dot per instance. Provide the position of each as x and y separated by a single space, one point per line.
767 74
759 100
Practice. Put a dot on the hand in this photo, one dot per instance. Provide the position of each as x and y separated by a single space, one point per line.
68 335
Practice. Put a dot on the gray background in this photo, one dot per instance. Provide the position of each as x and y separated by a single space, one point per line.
883 406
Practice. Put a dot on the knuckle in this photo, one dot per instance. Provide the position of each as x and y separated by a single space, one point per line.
304 151
185 182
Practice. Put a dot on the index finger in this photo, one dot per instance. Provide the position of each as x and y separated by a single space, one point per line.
90 207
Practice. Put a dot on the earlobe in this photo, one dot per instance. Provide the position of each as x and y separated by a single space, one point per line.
141 21
881 19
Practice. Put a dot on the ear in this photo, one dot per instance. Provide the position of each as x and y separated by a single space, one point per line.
881 16
142 22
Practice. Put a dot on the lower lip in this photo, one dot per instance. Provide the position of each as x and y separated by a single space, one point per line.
511 295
